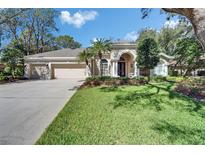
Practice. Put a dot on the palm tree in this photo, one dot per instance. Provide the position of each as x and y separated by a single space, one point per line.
85 56
100 47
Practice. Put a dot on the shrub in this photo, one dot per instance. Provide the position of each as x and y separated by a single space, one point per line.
184 89
175 79
113 81
7 70
124 80
102 78
158 78
193 87
2 76
19 71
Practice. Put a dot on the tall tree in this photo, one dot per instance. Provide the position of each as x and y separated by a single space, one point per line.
99 47
44 24
85 57
168 36
31 28
67 41
147 33
195 15
10 22
12 57
148 54
187 54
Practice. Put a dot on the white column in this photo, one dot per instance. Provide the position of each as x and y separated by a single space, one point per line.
113 68
135 69
109 67
98 66
50 71
116 69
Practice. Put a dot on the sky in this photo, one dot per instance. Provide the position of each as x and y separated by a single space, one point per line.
124 24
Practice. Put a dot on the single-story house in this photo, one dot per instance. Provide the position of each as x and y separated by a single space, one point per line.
64 63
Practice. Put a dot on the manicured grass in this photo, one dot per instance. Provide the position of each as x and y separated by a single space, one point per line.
150 114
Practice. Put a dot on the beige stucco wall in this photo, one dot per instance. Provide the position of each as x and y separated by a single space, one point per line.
38 71
128 62
44 71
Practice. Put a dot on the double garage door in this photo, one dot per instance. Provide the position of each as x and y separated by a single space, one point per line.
65 71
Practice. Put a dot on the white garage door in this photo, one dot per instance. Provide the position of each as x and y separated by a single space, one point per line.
65 73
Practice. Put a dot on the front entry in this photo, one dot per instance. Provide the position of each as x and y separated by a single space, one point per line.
121 68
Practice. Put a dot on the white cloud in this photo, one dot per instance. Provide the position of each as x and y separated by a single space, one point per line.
131 36
79 18
94 39
171 23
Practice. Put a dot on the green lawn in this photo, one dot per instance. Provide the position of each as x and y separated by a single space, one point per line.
128 115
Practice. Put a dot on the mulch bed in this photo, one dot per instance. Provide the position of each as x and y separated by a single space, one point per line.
11 80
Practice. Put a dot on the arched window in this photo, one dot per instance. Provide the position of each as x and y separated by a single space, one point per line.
122 59
104 64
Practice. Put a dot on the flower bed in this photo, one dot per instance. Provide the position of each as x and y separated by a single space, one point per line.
113 81
192 87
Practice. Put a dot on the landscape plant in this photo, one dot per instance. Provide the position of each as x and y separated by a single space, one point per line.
148 55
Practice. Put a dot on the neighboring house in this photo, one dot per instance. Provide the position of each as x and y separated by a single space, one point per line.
65 64
180 69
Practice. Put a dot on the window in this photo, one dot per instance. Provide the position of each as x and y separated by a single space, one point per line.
104 64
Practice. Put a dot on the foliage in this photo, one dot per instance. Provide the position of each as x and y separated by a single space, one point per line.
147 33
7 70
30 31
192 87
67 41
148 53
168 36
188 52
9 15
146 12
99 47
112 81
19 71
127 115
85 55
100 78
2 76
175 78
158 78
12 57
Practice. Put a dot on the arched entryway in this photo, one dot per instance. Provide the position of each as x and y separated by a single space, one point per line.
125 65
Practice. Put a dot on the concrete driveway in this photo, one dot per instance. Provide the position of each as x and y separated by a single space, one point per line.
27 108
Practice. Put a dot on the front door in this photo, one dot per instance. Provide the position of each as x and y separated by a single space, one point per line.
121 68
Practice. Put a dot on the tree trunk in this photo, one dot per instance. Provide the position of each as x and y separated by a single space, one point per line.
197 18
148 74
100 67
88 66
100 57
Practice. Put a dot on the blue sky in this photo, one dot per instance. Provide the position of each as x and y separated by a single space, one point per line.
87 24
